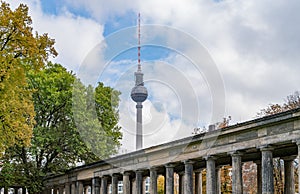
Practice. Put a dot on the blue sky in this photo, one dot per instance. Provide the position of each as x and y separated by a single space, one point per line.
195 52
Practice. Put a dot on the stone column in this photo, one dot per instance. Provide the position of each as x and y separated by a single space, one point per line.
198 181
67 188
5 190
267 170
133 186
114 184
93 186
96 185
218 179
289 177
15 190
73 188
153 180
298 144
237 177
188 176
45 190
165 183
79 187
258 177
23 190
61 190
126 183
181 182
211 182
144 185
103 186
86 190
169 179
139 181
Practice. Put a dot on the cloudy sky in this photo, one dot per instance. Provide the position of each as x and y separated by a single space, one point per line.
202 59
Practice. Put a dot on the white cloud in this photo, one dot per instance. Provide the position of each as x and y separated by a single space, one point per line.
174 106
75 36
255 45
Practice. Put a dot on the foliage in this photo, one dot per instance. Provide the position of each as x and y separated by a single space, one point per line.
224 123
226 184
57 143
250 177
20 51
291 102
278 176
97 110
160 184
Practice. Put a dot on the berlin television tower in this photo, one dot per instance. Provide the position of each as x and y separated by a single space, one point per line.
139 93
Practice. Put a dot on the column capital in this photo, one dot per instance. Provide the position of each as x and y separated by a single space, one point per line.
181 173
126 173
96 181
105 177
139 170
266 148
210 157
170 165
115 175
289 158
154 168
297 141
188 161
199 170
236 153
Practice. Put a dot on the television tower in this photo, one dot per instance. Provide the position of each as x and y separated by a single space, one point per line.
139 93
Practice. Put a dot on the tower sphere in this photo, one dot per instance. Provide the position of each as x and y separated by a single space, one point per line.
139 93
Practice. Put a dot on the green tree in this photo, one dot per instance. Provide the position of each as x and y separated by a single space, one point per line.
96 109
65 134
20 51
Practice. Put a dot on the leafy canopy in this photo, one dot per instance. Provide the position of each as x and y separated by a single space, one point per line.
20 51
49 121
67 129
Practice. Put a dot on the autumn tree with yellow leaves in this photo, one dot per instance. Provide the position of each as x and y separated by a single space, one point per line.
20 50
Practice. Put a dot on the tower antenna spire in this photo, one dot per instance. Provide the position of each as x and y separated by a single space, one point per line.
139 42
139 93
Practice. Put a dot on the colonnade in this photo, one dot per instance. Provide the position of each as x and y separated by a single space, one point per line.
15 190
133 180
76 187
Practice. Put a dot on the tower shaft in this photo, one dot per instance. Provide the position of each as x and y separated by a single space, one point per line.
139 126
